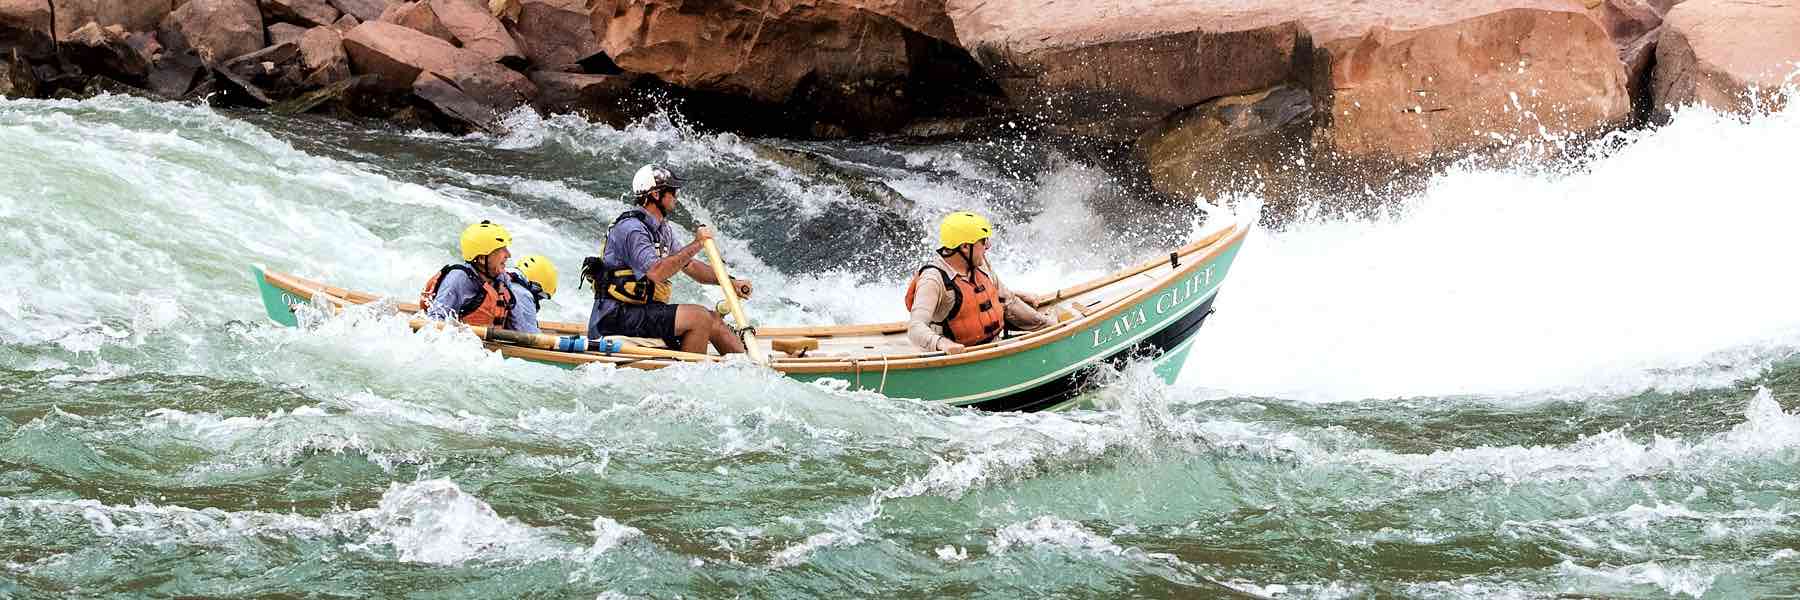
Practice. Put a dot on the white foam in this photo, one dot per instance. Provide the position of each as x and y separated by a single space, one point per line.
1653 267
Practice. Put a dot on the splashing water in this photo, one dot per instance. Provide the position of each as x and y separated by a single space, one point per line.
1578 382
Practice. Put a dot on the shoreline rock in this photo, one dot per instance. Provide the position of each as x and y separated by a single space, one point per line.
1185 96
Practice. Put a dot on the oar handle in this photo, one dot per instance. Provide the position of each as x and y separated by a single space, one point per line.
731 302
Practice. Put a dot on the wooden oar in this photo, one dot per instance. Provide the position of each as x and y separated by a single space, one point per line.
731 302
560 343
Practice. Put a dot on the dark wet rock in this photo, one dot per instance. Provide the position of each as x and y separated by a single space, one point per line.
307 13
108 51
450 102
16 78
335 94
267 75
25 25
598 96
1230 143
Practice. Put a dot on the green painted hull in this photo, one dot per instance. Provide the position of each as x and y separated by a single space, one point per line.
1160 325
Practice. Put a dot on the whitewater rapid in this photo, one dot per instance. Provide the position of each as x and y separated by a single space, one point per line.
1661 265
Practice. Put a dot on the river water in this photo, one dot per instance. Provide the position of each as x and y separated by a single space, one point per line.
1521 382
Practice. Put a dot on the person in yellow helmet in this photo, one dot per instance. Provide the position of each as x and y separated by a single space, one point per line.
955 301
474 291
532 282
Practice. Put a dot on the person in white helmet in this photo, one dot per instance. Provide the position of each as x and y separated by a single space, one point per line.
637 261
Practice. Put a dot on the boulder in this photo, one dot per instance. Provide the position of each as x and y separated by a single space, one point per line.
398 55
266 75
478 31
453 103
1634 26
556 33
285 32
322 55
1116 82
16 78
1239 142
1412 96
859 62
25 24
417 16
107 51
346 23
1734 56
218 30
363 10
560 92
131 15
509 10
309 13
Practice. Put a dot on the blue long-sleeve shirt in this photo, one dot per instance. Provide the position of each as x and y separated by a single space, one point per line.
631 244
453 290
525 307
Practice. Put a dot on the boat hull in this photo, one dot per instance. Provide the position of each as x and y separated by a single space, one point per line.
1155 321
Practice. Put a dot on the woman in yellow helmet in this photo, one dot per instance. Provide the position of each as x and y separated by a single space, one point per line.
474 291
962 303
532 282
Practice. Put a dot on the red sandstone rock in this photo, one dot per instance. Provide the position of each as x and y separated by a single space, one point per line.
218 29
132 15
398 54
556 33
322 55
1412 95
310 13
1731 55
418 16
851 58
285 32
363 10
478 31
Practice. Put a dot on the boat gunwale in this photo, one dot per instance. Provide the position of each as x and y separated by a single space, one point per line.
1198 252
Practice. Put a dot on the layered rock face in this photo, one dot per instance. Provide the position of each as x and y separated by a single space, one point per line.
1734 56
861 64
1208 96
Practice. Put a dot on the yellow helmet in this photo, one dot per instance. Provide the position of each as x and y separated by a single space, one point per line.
538 269
482 238
963 227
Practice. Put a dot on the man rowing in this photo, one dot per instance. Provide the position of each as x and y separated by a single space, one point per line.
632 274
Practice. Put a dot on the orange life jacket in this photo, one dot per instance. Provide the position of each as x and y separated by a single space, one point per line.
976 315
488 309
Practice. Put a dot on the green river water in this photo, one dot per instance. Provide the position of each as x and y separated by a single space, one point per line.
1520 383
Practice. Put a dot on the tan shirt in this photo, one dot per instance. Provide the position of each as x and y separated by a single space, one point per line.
931 304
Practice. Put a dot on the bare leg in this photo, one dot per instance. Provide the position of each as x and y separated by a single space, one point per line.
696 326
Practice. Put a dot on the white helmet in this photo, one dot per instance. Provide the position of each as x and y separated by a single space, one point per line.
652 178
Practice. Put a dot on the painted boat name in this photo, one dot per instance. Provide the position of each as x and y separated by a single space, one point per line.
1166 301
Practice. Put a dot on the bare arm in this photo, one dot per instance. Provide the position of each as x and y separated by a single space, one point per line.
681 260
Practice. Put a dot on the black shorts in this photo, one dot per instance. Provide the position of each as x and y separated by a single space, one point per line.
642 321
